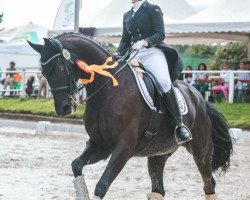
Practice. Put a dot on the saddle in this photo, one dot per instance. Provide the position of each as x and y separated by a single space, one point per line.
150 90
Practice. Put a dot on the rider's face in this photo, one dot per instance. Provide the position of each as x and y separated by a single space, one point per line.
134 1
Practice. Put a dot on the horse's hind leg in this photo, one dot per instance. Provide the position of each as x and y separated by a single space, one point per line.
203 159
155 168
91 154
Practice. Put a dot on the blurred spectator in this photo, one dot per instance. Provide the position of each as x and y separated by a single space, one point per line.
223 85
17 81
200 80
0 72
247 63
42 86
241 84
188 77
29 87
8 80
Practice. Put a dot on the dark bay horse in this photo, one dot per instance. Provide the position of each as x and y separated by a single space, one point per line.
117 117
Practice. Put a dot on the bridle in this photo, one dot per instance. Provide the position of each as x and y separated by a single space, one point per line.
67 62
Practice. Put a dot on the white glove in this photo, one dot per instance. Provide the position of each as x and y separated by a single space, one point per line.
140 45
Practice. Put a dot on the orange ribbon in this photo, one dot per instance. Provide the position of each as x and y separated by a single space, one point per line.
100 69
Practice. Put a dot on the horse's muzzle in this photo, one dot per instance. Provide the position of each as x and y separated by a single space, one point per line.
66 108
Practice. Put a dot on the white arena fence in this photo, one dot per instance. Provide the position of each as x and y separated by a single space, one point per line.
27 73
215 74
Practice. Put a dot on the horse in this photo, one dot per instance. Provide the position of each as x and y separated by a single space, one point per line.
117 117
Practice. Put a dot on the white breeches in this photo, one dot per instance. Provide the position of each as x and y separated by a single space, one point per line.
154 60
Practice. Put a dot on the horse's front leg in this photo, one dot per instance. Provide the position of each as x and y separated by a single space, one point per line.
155 168
120 155
91 154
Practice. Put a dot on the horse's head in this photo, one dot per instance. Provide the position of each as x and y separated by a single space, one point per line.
57 67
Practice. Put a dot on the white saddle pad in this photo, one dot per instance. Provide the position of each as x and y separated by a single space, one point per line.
147 98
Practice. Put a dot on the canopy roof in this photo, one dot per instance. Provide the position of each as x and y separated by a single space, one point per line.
31 32
225 19
112 14
223 11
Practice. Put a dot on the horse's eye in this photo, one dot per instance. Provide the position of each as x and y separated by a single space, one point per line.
61 69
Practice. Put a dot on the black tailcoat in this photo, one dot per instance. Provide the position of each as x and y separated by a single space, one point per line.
147 23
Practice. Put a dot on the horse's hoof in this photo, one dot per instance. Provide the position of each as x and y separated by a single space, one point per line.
211 197
155 196
96 198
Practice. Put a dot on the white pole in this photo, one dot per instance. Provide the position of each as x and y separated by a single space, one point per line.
77 12
22 94
231 87
248 48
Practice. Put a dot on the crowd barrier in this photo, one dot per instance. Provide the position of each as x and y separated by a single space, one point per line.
25 74
216 73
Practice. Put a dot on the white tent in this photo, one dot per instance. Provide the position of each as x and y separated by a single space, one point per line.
30 31
111 16
15 47
223 11
19 52
224 20
223 16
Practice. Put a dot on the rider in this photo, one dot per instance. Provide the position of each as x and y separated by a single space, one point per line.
143 26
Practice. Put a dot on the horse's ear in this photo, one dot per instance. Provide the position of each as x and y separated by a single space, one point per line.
36 47
47 42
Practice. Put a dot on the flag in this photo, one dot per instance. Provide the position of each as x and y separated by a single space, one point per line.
65 15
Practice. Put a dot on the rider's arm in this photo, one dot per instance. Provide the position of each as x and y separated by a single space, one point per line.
156 16
126 39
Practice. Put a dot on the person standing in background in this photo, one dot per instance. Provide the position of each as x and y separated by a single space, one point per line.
42 86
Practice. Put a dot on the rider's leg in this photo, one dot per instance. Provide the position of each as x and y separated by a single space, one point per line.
154 60
182 133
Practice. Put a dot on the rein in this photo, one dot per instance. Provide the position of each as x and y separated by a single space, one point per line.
72 87
80 87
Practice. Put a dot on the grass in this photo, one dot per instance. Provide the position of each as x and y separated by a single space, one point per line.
33 106
237 114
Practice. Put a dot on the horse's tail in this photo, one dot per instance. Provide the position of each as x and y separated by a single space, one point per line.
222 141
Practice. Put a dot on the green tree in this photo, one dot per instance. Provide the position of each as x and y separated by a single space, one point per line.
200 50
1 18
232 53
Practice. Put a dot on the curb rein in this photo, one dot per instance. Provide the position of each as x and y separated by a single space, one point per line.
67 61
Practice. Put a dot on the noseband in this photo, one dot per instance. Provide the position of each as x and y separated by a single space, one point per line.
67 62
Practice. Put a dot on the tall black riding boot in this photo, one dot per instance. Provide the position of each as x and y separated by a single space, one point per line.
182 133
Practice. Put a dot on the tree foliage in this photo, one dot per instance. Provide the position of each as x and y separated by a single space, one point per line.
200 50
1 18
232 53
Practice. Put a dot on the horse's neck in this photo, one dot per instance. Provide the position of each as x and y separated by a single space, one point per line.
92 53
